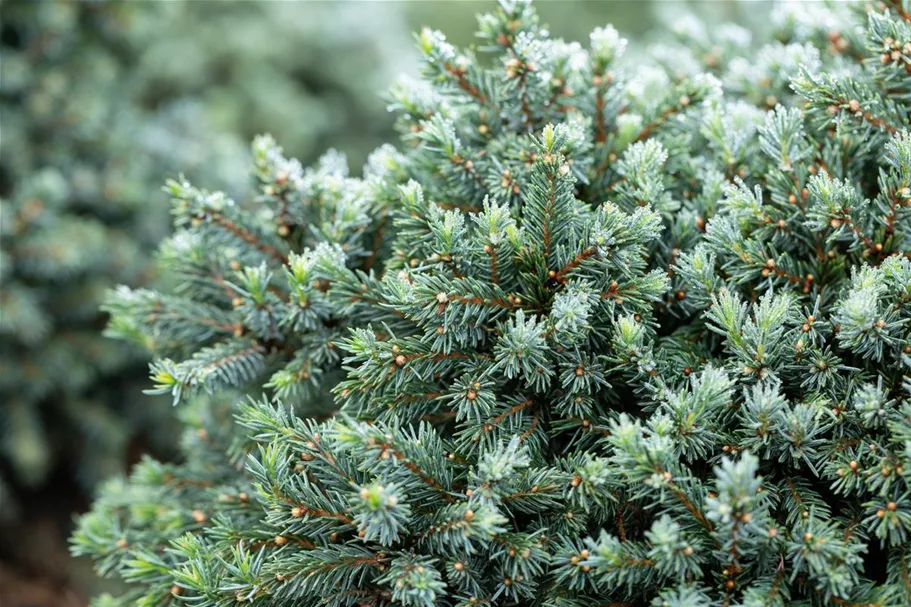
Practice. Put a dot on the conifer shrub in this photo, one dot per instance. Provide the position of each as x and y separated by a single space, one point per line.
626 348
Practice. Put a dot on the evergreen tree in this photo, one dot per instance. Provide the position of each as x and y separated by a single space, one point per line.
637 341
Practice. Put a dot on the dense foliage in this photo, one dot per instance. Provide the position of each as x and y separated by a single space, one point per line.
636 340
253 307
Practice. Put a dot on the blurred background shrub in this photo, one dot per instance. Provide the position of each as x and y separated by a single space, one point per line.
99 102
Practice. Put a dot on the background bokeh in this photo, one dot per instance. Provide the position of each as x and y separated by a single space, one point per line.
100 101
